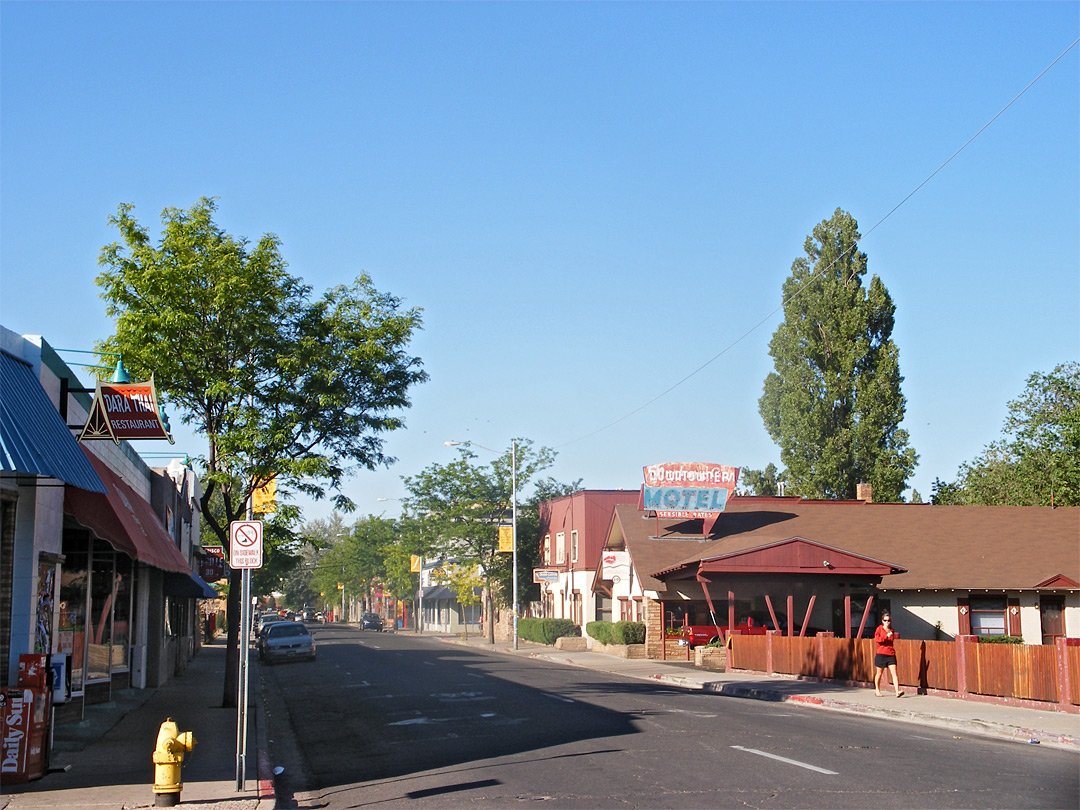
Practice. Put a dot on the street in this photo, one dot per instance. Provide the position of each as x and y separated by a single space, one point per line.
396 719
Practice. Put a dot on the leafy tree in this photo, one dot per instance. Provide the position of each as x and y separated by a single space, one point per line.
759 482
465 581
278 383
833 403
463 504
1037 462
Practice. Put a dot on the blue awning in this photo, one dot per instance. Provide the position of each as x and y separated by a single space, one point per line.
189 585
33 438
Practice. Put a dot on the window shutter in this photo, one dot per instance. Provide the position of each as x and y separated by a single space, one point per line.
1013 613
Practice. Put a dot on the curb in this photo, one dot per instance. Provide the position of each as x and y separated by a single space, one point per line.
981 728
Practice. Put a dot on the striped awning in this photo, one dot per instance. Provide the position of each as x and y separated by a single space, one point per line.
33 438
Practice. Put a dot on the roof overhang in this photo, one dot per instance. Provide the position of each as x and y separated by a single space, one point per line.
34 440
795 555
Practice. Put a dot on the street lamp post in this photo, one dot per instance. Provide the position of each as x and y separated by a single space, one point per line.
513 501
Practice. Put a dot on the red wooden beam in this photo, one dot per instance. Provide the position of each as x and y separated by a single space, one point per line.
806 618
865 614
775 623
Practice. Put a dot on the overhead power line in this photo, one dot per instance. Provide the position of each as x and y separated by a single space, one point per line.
821 271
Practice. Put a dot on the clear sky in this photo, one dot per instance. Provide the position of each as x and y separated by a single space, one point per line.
589 201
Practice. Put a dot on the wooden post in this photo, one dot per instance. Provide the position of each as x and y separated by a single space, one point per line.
865 615
1064 677
847 615
962 647
806 618
790 615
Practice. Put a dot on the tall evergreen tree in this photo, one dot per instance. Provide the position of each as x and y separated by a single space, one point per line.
833 404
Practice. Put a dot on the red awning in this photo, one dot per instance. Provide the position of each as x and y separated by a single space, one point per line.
125 520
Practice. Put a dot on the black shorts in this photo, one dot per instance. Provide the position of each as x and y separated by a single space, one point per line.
883 661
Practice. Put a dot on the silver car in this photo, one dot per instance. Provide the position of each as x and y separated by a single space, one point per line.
286 641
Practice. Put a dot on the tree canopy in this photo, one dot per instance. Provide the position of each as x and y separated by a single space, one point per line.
462 503
279 382
833 403
1037 460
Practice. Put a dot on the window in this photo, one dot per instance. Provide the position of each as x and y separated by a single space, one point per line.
988 616
547 549
573 545
560 548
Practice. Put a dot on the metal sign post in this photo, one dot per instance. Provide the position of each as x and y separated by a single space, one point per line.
245 551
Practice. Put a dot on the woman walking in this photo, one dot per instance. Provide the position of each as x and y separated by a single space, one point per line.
885 655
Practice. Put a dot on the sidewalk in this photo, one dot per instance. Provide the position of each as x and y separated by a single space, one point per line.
1019 724
106 760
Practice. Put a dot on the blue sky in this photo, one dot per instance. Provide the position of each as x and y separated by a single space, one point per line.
589 201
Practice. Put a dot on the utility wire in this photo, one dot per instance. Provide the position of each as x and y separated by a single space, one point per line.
820 272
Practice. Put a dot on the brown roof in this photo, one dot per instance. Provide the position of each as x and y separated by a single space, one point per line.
962 547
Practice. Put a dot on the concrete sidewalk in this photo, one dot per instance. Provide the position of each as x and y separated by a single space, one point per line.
105 761
971 716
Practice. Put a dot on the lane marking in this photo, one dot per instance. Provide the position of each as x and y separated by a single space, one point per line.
474 675
429 663
557 697
785 759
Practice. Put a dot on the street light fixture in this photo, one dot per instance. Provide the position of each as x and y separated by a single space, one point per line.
513 500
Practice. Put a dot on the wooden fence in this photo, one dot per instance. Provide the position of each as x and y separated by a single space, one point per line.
1049 674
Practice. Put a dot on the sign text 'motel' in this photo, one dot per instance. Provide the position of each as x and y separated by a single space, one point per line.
688 490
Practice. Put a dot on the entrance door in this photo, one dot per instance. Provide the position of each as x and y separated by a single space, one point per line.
1052 613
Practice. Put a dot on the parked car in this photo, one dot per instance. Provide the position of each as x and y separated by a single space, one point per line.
286 641
320 616
371 621
265 621
307 614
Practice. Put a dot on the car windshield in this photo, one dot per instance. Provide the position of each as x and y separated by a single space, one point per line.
285 629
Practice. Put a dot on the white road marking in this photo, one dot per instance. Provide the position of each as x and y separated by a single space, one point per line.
785 759
557 697
429 663
474 675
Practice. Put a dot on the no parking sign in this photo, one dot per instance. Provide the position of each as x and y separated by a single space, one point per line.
245 544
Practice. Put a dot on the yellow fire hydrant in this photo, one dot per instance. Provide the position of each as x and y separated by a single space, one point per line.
168 757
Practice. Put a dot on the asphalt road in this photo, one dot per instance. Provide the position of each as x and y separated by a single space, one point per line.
385 720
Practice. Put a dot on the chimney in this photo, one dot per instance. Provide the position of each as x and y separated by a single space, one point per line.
864 493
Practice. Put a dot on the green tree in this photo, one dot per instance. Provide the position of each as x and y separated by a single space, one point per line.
279 383
1037 461
759 482
833 403
465 581
464 503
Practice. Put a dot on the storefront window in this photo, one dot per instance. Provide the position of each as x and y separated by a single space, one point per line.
103 587
71 628
121 632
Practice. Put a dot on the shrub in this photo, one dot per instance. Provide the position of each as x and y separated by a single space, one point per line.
601 631
629 632
1000 640
545 631
617 633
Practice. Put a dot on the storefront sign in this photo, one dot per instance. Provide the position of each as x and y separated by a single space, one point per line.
615 566
125 411
688 490
541 575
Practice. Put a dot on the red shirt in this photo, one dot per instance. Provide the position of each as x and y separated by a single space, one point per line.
884 642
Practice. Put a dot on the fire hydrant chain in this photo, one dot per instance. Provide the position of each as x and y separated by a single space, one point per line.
168 759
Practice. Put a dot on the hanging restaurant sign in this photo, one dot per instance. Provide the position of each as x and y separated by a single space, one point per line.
125 411
688 490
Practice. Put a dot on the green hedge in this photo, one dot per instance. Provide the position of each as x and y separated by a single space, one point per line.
545 631
617 633
1000 639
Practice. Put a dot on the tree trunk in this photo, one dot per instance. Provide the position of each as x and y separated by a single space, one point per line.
232 648
489 614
